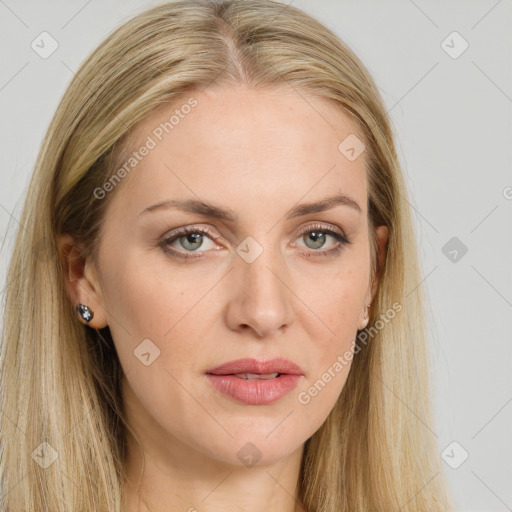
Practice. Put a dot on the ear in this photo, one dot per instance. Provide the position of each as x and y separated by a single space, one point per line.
382 233
80 278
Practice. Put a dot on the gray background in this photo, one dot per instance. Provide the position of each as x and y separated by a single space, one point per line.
453 122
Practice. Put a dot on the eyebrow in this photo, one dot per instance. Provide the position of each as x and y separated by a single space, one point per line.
215 212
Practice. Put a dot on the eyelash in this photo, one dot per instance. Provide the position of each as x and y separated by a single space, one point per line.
341 241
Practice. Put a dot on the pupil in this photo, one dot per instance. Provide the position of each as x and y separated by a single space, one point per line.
316 236
193 236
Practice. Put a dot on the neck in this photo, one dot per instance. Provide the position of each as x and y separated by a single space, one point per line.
191 481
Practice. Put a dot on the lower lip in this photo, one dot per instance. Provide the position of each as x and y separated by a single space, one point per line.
255 391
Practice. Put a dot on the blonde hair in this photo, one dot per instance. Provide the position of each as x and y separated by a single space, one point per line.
60 384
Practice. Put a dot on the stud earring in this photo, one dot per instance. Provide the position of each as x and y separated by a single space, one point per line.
85 312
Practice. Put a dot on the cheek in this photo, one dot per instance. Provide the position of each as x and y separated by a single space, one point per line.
330 351
144 303
147 297
333 328
335 304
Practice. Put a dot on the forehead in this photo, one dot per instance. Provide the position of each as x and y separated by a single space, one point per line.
258 142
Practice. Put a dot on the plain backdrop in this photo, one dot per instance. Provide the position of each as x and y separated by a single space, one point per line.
444 71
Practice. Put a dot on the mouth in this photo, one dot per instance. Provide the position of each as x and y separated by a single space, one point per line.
254 369
254 376
255 382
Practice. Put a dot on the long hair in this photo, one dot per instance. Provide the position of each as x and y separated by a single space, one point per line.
63 428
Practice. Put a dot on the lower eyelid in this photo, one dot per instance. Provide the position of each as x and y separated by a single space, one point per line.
341 241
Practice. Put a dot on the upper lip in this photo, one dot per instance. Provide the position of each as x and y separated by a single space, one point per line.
278 365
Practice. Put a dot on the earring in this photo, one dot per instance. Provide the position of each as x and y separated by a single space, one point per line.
85 312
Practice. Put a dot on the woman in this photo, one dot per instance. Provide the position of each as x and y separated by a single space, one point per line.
214 302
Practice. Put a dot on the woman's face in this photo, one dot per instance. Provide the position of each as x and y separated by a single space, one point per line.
270 278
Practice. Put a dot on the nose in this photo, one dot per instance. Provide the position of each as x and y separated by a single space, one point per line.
261 297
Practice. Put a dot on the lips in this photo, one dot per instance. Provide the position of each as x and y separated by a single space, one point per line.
251 368
254 382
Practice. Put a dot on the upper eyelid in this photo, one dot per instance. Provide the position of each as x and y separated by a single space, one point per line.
208 232
183 231
321 227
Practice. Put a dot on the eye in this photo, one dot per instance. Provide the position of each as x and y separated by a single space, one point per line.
318 235
190 240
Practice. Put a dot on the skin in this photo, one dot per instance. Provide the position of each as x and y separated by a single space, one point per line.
258 153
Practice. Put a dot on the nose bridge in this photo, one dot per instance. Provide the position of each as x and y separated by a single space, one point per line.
262 275
262 295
